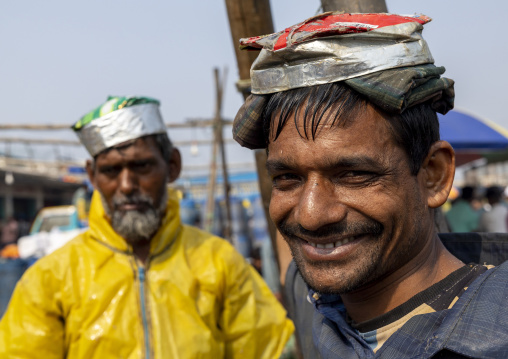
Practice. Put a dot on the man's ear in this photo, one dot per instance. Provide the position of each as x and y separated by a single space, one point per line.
174 165
91 172
438 171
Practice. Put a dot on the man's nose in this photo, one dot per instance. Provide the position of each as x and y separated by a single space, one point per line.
319 205
128 182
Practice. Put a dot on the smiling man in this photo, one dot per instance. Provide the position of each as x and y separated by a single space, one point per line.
138 283
345 105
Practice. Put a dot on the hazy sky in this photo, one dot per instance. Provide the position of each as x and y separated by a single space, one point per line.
60 59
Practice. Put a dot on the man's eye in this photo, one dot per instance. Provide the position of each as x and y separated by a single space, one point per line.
285 181
142 166
357 176
109 171
356 173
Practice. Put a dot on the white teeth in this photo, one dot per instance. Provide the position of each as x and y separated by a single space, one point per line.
331 245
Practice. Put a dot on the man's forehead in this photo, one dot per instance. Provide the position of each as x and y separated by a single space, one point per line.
139 146
313 124
308 112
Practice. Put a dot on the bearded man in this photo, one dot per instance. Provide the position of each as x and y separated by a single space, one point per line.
345 105
138 283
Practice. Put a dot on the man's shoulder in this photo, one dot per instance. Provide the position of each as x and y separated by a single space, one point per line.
476 326
198 239
201 244
67 253
484 306
472 247
495 279
53 267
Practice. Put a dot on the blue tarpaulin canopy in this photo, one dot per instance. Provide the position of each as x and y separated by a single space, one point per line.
471 133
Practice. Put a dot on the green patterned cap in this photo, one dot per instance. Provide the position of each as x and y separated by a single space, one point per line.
112 104
120 119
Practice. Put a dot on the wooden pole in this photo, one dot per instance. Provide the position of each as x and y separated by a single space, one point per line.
251 18
370 6
225 178
210 204
218 143
247 18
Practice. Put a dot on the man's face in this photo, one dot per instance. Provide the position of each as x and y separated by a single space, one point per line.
132 180
346 202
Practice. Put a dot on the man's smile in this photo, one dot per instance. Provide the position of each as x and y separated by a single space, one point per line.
331 249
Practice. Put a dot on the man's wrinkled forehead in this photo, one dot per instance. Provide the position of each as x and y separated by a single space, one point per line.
124 146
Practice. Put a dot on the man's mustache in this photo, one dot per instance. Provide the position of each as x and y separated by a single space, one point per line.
331 230
137 198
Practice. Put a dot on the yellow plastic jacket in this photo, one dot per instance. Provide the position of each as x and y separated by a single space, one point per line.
196 298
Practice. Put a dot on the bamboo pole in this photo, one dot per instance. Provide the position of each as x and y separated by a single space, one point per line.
218 144
210 204
225 179
77 143
192 122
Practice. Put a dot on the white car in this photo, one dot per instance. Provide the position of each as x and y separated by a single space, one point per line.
51 229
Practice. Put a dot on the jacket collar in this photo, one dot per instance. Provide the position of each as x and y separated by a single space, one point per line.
101 230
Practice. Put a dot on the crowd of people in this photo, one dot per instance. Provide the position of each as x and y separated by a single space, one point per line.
479 210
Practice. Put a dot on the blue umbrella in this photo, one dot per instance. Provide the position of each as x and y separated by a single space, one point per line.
472 134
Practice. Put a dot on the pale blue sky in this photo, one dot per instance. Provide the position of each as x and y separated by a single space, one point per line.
59 59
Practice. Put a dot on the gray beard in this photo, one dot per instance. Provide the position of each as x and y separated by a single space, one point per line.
136 226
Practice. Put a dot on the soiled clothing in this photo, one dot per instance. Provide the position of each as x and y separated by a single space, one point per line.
196 297
440 296
463 316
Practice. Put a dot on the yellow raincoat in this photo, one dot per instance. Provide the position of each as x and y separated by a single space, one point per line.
196 298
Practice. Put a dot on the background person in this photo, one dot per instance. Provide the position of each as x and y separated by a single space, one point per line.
462 217
495 218
10 232
138 283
